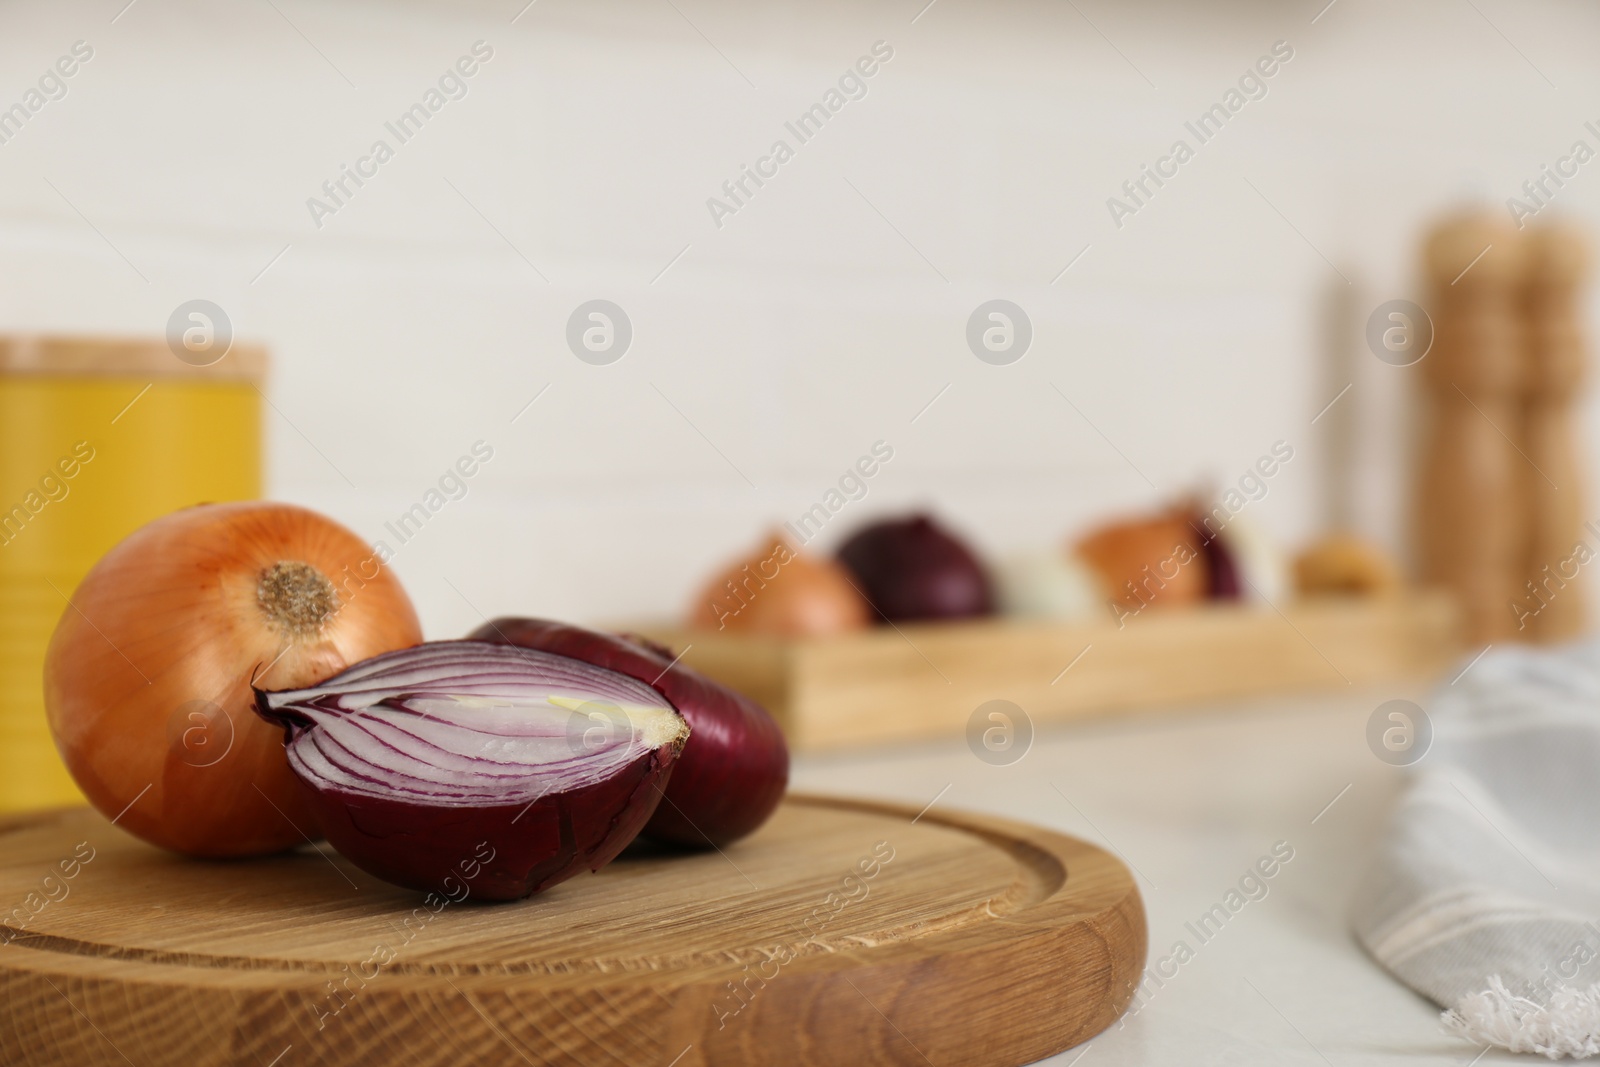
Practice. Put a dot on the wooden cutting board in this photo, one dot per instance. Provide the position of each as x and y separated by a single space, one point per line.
843 932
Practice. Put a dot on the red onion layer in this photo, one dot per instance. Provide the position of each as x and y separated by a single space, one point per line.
734 768
417 759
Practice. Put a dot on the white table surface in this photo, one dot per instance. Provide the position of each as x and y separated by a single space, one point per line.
1192 799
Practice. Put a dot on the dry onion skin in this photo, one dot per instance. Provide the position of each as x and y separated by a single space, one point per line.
148 675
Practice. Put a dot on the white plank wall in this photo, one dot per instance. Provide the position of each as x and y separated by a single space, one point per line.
826 313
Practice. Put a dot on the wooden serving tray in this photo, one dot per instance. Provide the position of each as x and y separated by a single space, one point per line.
873 935
916 681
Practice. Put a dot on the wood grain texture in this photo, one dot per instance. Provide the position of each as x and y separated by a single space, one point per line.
1471 494
1552 603
891 684
973 941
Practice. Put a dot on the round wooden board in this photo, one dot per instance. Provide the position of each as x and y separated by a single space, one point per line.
960 940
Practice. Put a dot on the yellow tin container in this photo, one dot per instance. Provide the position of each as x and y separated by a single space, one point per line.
98 437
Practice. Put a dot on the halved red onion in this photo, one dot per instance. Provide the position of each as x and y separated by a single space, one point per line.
499 769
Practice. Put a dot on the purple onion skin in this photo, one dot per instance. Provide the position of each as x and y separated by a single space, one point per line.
910 569
734 768
435 849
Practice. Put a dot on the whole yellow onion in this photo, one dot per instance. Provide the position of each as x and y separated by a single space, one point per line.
781 591
148 674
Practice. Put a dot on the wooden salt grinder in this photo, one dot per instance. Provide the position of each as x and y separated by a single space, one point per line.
1553 368
1470 492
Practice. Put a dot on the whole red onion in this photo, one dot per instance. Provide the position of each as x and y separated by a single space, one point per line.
735 766
504 769
911 569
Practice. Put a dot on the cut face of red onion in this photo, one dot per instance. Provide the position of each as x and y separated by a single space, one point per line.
416 757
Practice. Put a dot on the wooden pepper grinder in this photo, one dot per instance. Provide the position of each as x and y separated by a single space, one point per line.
1470 520
1551 602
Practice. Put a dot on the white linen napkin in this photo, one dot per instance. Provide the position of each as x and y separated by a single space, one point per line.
1485 893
